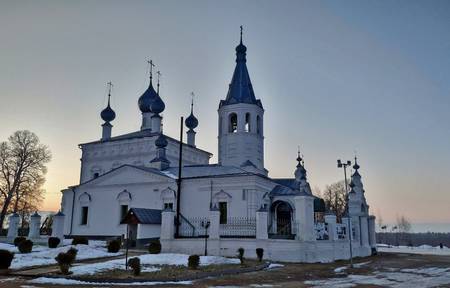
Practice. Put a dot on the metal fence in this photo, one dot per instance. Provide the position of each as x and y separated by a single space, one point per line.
238 227
192 227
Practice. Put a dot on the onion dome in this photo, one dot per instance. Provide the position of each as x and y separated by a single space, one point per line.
161 142
108 114
191 121
356 166
146 99
157 106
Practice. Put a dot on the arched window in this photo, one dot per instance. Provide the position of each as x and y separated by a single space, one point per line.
247 122
258 125
233 123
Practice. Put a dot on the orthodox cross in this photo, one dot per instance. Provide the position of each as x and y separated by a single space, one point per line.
241 32
159 76
192 101
109 90
150 62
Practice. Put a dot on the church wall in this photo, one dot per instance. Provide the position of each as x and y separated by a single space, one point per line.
104 212
103 157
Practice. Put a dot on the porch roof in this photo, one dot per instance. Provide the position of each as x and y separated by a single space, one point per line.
142 216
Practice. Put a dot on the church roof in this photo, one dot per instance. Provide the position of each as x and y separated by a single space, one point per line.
288 182
240 89
141 134
208 170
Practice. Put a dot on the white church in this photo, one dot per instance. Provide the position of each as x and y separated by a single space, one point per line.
233 203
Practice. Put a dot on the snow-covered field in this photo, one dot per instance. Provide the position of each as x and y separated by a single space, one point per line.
42 255
424 249
150 263
422 277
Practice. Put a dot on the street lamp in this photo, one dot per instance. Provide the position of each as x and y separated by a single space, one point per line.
344 165
205 224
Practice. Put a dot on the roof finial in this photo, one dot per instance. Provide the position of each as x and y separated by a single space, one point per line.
150 62
192 102
299 157
241 32
109 91
356 166
157 85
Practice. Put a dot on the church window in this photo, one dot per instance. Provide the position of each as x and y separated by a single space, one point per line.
123 211
223 212
233 123
168 206
247 122
84 215
258 125
96 174
244 194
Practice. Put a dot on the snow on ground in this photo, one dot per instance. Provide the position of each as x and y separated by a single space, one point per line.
356 265
42 255
405 278
64 281
149 263
424 249
275 265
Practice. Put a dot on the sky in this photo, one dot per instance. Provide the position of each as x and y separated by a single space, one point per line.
335 78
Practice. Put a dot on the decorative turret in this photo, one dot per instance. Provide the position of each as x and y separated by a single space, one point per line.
191 122
241 119
357 200
146 100
160 161
107 115
156 108
300 175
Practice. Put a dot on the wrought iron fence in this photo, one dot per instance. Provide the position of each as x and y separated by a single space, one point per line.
321 230
341 230
238 227
192 227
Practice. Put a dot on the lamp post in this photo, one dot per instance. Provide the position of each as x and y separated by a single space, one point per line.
344 165
205 224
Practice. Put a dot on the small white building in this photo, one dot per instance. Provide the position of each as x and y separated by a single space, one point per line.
138 173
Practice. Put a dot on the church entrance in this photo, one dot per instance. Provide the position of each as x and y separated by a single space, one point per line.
281 219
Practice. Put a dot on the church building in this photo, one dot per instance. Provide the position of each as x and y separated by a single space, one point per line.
233 203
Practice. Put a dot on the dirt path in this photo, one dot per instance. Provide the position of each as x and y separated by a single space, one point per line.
291 275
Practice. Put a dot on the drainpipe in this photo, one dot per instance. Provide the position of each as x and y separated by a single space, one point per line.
73 208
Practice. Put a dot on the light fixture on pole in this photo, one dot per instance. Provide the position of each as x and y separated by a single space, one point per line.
344 165
205 224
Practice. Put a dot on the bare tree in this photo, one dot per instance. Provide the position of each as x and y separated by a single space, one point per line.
22 170
403 224
335 197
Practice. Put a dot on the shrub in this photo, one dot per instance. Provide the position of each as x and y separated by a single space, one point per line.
260 253
135 264
53 242
6 258
19 239
114 246
193 261
80 240
154 247
65 260
241 255
25 246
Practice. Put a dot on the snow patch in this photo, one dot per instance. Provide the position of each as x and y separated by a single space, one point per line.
275 265
424 249
64 281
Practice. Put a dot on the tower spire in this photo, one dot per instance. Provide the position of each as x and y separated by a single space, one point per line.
192 102
109 92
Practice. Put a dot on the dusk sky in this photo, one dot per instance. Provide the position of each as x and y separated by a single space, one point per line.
334 77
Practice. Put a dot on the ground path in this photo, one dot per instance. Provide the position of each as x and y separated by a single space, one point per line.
295 275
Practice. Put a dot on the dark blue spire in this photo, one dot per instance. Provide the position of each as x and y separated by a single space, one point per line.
240 89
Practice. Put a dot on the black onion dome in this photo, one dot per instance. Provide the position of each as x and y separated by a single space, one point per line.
157 106
191 121
161 141
146 99
108 114
241 48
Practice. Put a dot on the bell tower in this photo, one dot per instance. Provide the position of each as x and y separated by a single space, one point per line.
241 137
